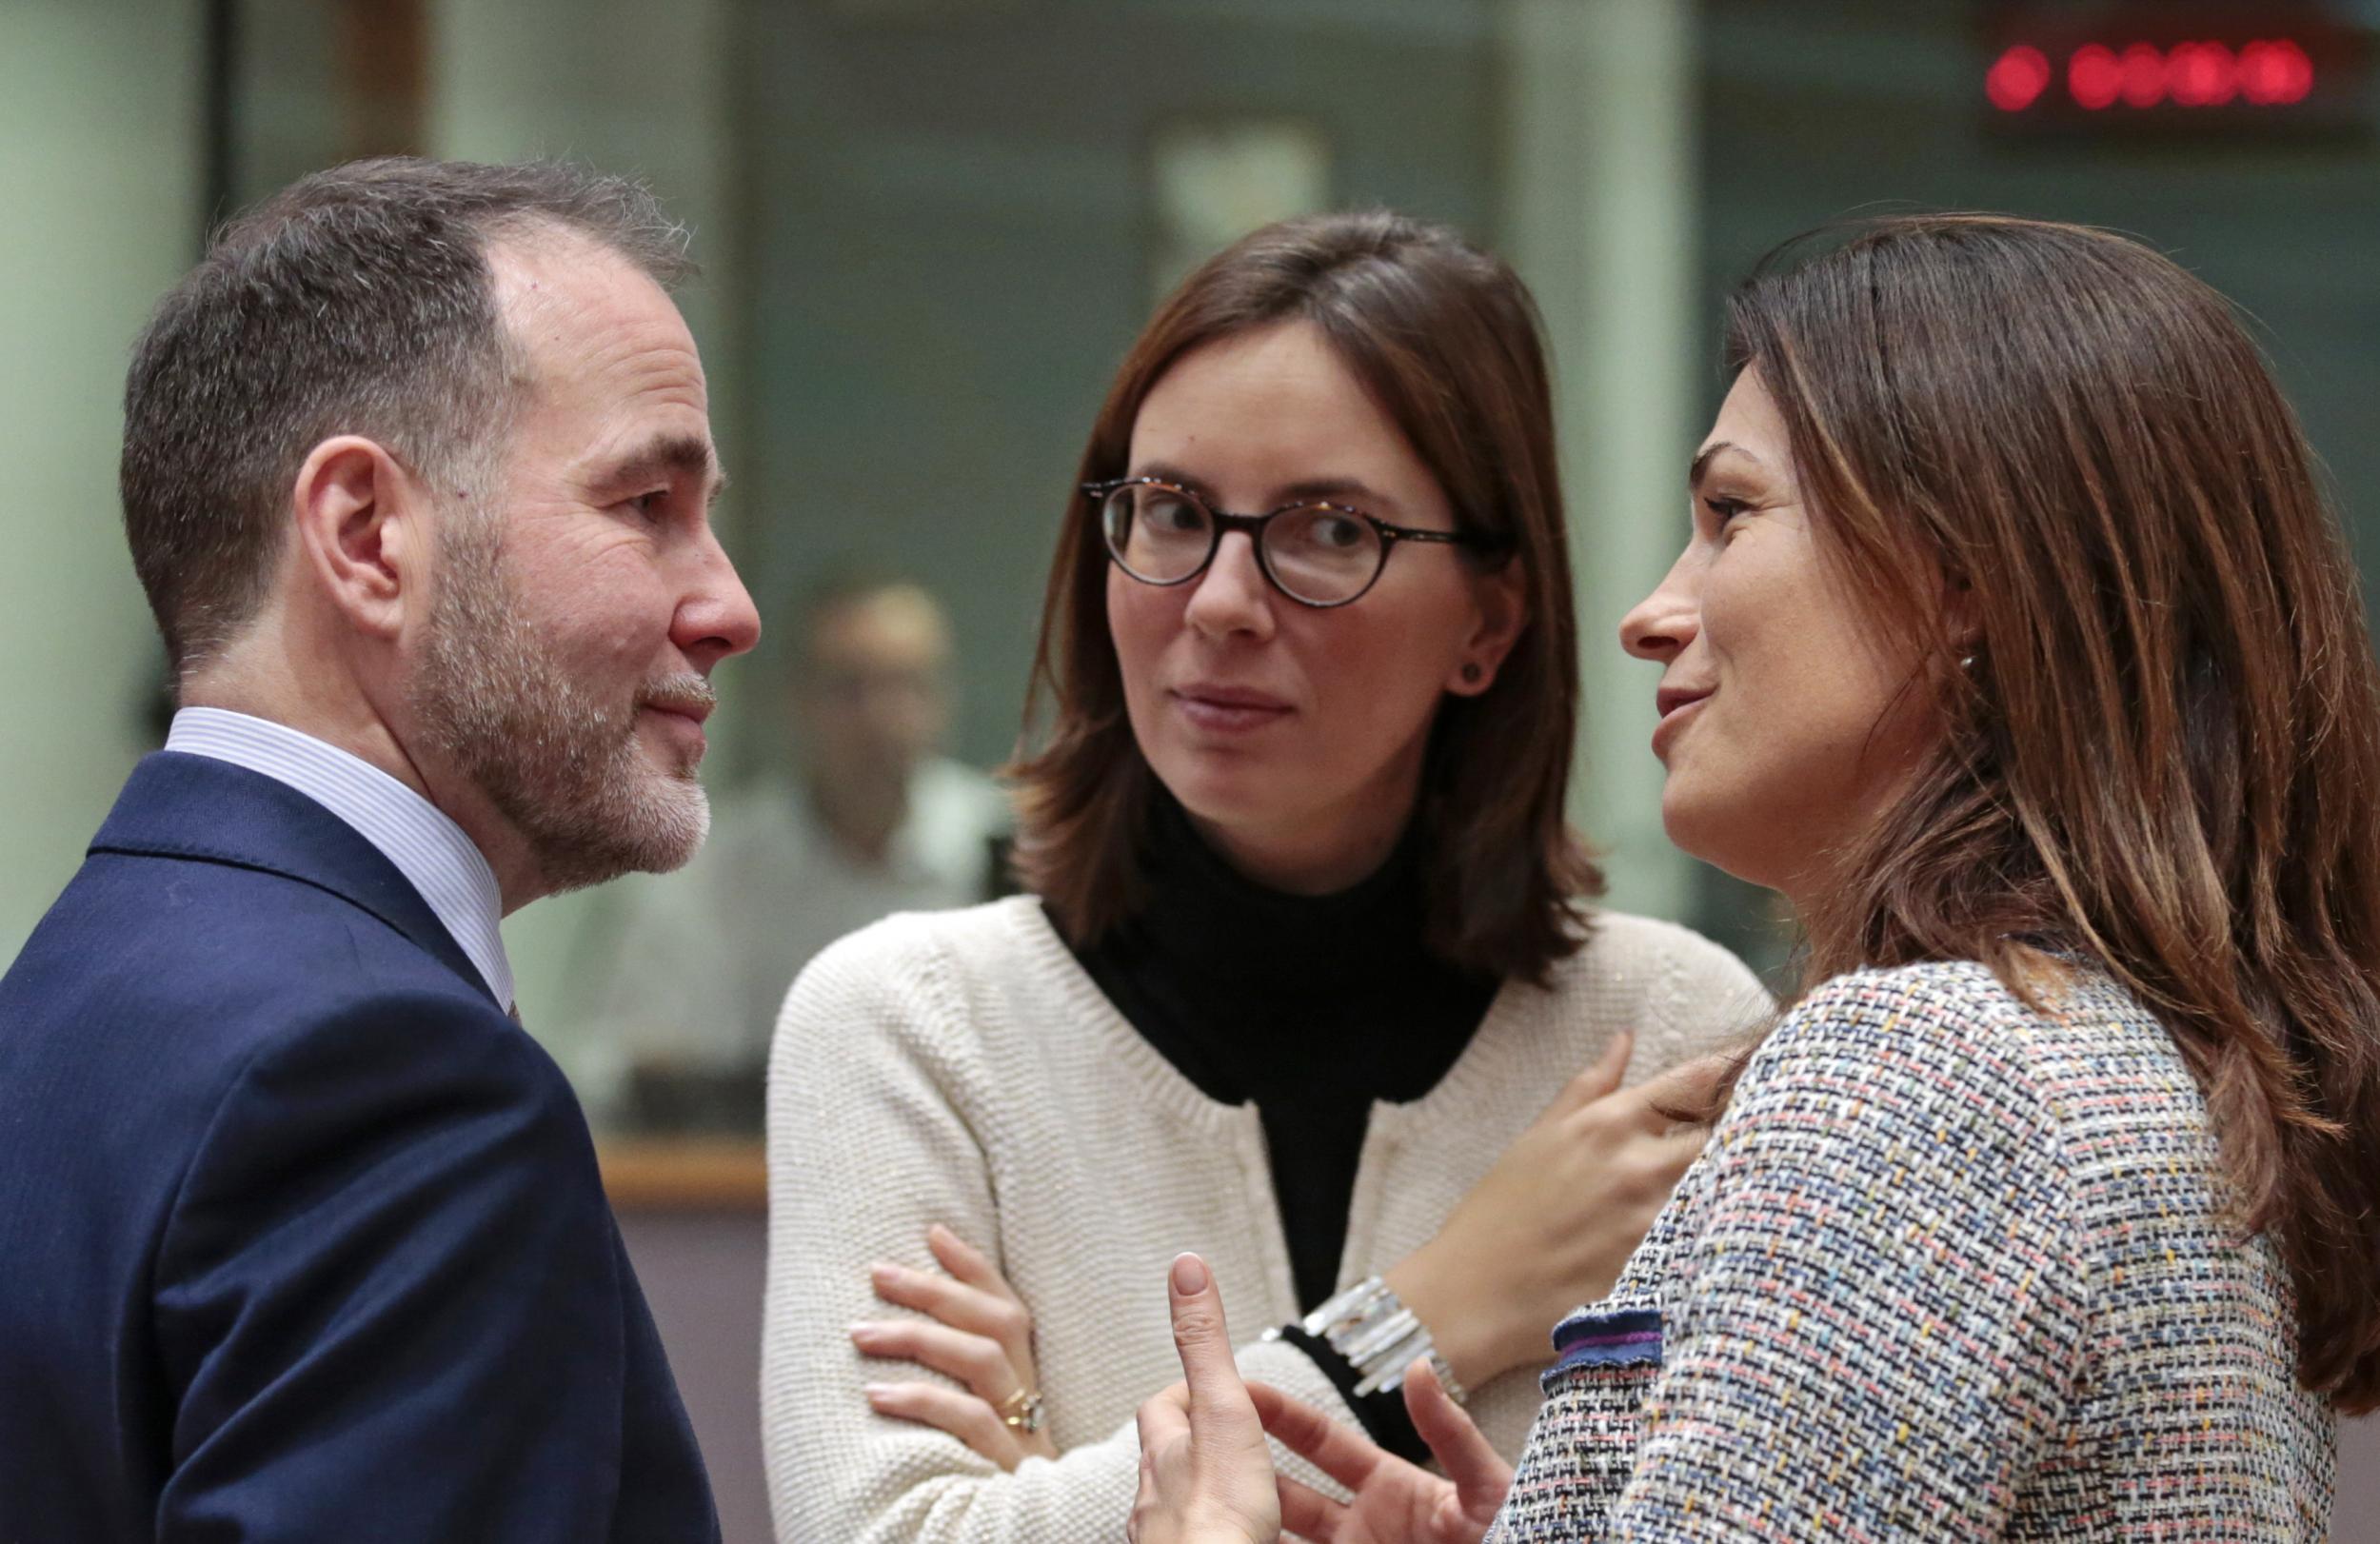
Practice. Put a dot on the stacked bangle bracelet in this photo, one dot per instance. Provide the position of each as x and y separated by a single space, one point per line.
1379 1337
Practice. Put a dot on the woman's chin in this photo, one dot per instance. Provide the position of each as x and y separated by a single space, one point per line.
1713 835
1222 795
1229 824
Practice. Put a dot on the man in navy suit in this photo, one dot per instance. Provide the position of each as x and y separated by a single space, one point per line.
301 1237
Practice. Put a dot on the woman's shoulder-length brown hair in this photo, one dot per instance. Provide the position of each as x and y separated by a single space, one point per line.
1448 341
2062 459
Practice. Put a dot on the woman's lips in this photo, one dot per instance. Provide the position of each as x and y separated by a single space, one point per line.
1228 710
1676 708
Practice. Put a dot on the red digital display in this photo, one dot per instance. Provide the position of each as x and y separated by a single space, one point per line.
2274 66
2017 78
2264 72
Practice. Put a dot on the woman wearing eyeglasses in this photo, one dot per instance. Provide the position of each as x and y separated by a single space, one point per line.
1308 980
2012 643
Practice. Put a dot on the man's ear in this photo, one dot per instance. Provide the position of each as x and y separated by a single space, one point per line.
1503 612
362 533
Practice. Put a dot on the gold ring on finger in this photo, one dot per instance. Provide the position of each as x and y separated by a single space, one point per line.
1022 1411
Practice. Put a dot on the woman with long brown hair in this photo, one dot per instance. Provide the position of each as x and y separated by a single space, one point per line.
1309 950
2013 645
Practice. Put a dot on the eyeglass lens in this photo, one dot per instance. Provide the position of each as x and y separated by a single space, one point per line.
1316 553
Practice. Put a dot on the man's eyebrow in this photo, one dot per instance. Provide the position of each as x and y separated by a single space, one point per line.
667 457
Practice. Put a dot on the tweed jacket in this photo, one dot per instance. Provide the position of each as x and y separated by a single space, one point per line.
1948 1269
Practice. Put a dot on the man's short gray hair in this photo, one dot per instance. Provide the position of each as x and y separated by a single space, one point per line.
356 301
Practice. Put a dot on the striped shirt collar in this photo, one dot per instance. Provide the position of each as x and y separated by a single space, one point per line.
428 848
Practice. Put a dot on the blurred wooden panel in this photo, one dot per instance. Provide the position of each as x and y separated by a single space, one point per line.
384 70
697 1174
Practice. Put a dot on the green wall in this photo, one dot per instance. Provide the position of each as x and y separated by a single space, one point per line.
98 170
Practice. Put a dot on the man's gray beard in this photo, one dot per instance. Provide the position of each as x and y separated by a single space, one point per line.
562 767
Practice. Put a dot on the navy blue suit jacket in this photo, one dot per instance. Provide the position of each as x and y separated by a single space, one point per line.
301 1237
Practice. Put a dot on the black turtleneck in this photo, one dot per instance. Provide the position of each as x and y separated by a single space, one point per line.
1311 1007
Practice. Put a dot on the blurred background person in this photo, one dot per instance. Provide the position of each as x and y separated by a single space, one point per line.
869 820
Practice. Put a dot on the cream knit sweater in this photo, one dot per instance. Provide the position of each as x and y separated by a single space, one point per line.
959 1067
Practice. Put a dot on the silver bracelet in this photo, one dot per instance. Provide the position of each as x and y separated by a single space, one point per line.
1379 1337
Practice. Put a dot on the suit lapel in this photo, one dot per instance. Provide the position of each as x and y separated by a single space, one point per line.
200 808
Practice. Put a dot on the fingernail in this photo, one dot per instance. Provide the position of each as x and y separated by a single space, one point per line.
1189 1273
876 1391
882 1272
863 1331
937 1231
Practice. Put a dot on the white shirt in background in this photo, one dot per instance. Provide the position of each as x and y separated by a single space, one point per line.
690 968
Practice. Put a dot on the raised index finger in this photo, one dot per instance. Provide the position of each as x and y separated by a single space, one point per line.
1203 1341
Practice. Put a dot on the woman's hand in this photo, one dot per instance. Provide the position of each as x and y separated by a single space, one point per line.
980 1334
1393 1502
1207 1476
1551 1224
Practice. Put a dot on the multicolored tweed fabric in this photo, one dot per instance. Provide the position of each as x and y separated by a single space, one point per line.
1948 1269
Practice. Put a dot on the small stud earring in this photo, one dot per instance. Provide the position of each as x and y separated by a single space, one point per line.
1966 661
1471 675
